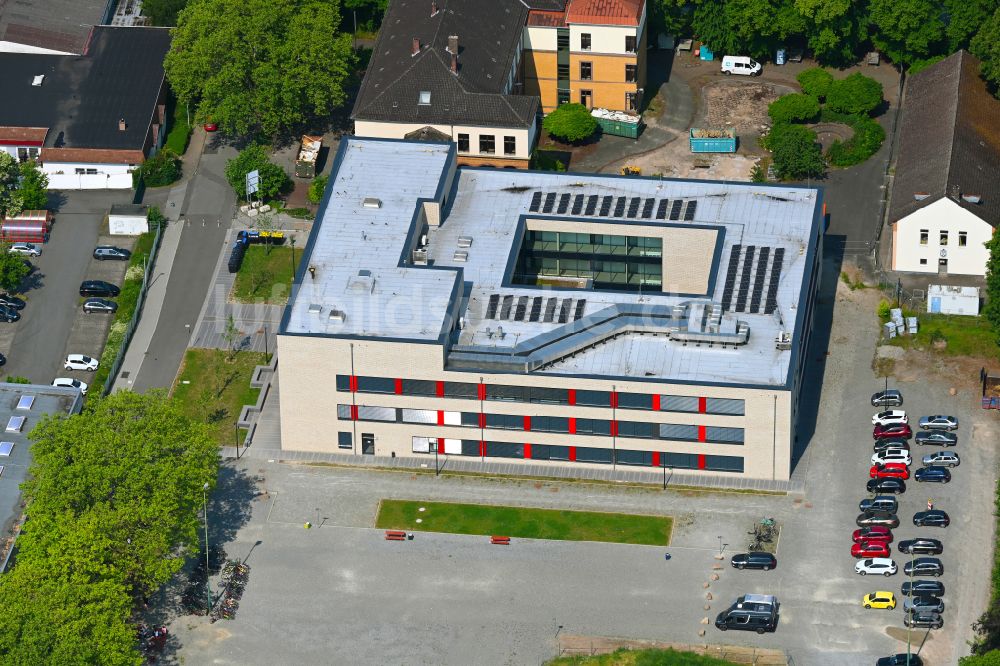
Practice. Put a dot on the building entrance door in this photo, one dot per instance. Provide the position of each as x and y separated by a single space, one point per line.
367 443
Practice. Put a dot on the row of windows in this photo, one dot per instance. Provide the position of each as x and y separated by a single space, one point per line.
554 424
475 447
488 144
631 42
589 244
587 72
963 237
540 395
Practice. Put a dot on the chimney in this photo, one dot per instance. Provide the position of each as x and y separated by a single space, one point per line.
454 64
121 125
434 9
416 46
453 44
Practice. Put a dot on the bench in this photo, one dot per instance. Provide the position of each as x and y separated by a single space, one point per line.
500 540
395 535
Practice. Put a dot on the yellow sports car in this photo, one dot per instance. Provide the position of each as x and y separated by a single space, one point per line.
879 600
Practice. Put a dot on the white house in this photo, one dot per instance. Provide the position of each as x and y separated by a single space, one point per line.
945 200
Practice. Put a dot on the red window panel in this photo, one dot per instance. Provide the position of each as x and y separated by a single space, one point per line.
572 425
656 458
482 391
353 384
701 461
701 433
571 398
614 400
527 424
354 412
440 445
702 405
656 402
482 420
440 389
527 451
482 448
572 453
614 428
399 387
440 417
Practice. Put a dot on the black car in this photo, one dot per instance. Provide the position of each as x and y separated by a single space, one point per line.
932 474
900 660
884 518
100 305
3 359
924 566
754 560
926 620
102 252
884 443
932 587
12 301
887 485
9 314
936 438
889 398
921 546
933 518
98 288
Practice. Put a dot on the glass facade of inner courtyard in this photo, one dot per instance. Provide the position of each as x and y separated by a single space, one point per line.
613 262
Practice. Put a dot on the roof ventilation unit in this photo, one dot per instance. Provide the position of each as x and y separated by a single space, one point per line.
461 256
465 241
372 202
338 316
38 80
315 308
971 198
420 257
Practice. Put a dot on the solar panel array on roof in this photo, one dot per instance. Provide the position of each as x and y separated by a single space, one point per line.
689 211
550 201
563 202
771 304
521 309
727 290
606 206
661 210
633 206
647 208
741 295
536 309
536 201
508 301
577 204
620 206
579 309
550 310
675 209
564 310
491 307
591 204
758 283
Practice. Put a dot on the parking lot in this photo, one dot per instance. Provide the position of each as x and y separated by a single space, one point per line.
341 593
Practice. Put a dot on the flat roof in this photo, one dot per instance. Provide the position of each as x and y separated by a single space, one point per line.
57 25
734 264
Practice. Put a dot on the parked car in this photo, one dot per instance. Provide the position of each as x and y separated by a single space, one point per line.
889 398
939 422
921 546
747 620
70 383
923 603
3 360
12 301
924 566
878 518
890 443
9 314
870 549
896 470
932 587
740 65
98 288
936 438
901 659
932 474
880 599
754 560
102 252
889 485
879 503
28 249
892 455
923 620
101 305
893 430
875 565
942 459
873 533
890 416
80 362
932 518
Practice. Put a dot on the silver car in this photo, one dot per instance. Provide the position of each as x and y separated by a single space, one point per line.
923 604
939 422
942 458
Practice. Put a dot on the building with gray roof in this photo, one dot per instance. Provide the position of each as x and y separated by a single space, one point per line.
549 316
53 27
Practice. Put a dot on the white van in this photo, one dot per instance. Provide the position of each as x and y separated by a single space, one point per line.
744 65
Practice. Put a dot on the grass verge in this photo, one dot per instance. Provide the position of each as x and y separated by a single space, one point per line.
212 389
266 277
952 335
180 130
648 657
524 523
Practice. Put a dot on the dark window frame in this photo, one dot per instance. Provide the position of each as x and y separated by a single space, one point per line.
631 44
510 145
585 41
586 71
487 144
463 138
634 69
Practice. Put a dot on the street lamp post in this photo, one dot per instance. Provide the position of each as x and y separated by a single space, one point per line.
720 544
236 438
208 572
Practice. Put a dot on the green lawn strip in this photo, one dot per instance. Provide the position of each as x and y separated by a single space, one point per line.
217 388
963 335
524 523
648 657
265 277
180 130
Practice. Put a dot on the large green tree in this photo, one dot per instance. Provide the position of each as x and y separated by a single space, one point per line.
907 30
986 46
570 122
835 29
964 20
856 93
796 153
260 66
10 196
13 269
991 310
273 180
163 12
33 186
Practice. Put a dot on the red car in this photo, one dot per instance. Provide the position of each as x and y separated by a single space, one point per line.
210 125
892 430
873 533
870 549
889 470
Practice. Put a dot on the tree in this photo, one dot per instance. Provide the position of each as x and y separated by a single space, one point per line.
796 153
273 180
855 94
986 46
815 81
316 189
34 186
161 169
570 123
163 12
232 336
13 269
991 310
964 20
368 13
991 658
907 30
260 65
793 108
835 29
10 197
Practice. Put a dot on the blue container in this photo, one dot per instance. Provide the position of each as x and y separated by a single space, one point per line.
714 144
779 57
705 53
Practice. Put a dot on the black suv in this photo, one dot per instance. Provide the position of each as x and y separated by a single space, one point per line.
11 301
888 485
924 566
931 587
9 314
901 659
884 443
924 619
933 518
98 288
921 546
756 560
932 474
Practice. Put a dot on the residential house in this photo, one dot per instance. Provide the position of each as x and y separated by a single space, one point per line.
945 200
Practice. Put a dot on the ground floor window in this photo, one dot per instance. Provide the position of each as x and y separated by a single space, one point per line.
345 440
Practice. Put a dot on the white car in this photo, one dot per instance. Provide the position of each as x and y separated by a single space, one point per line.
892 456
890 417
29 249
875 565
70 383
80 362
